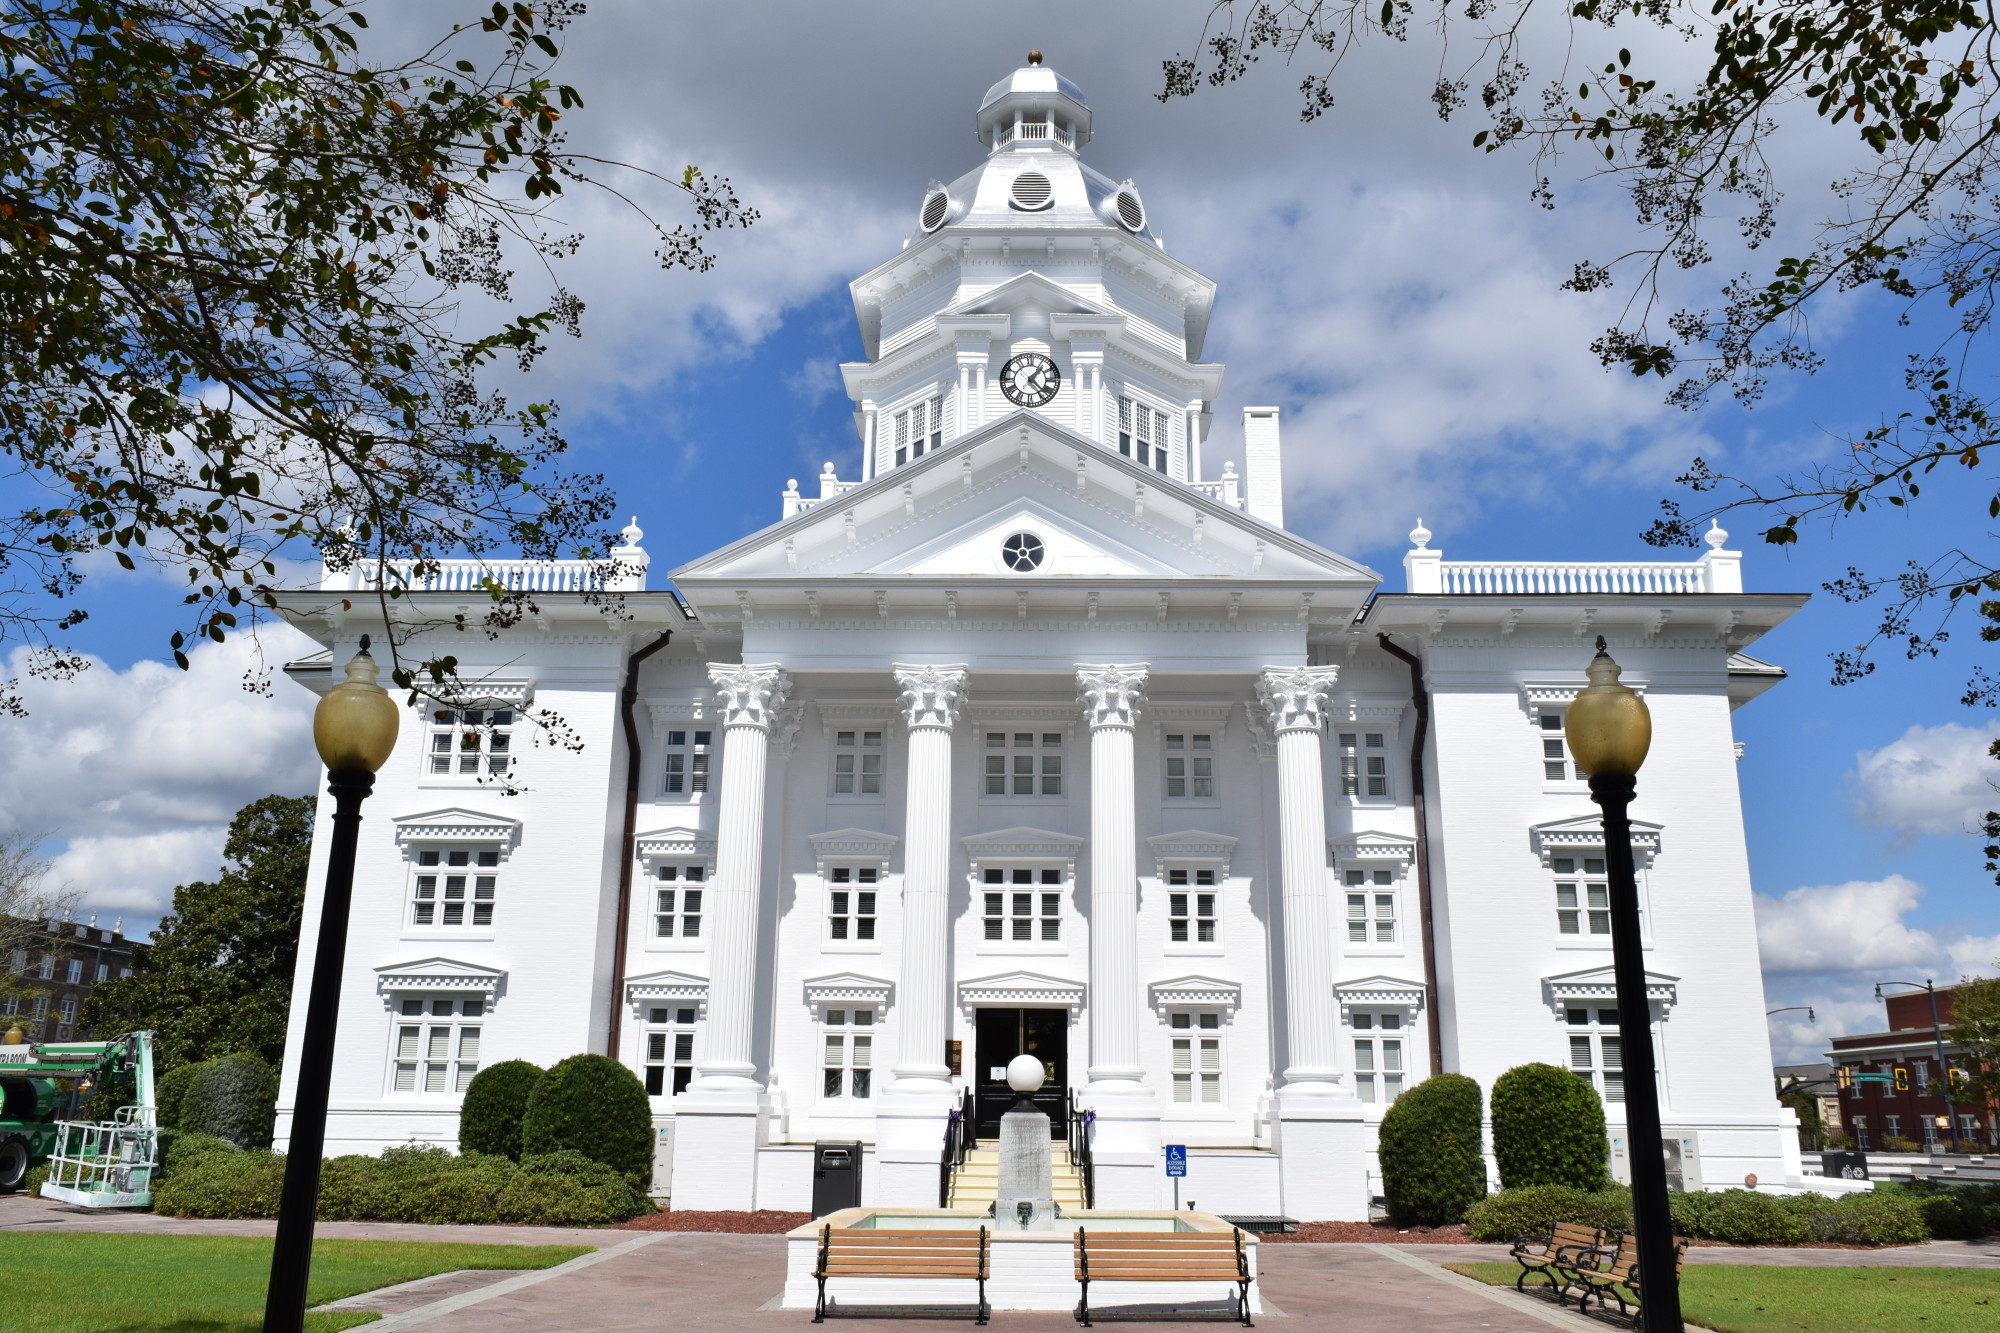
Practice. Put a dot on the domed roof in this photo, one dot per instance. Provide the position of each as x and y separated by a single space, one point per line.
1033 79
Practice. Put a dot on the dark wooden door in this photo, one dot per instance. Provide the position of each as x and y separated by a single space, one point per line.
1003 1034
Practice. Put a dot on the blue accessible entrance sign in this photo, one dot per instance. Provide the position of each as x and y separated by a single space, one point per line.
1176 1159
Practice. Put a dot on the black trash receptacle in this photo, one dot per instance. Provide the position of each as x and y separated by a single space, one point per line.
1844 1165
836 1177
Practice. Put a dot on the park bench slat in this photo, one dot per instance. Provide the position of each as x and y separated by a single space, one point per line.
903 1254
1172 1257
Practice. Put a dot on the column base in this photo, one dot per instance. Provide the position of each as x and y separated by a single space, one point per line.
1126 1142
1326 1150
910 1120
716 1137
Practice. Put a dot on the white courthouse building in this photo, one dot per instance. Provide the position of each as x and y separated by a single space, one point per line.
1039 734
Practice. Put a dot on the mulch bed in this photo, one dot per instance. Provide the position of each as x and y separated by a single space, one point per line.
1361 1233
763 1222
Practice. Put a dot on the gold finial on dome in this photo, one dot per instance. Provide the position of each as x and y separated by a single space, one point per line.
1034 57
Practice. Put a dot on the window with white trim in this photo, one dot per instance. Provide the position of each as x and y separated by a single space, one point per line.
103 971
669 1049
1195 1040
850 903
68 1009
1364 764
10 1006
1143 434
684 762
471 742
677 894
1191 907
1024 763
18 961
454 889
857 763
1371 916
847 1060
73 971
1595 1054
40 1008
919 429
1557 766
1022 904
1378 1055
1583 896
436 1043
45 970
1190 757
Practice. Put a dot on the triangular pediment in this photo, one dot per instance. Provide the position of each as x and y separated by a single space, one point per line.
1600 985
439 974
1030 291
942 520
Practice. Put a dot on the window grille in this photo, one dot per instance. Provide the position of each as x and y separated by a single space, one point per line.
850 912
449 882
1378 1056
1024 763
1019 913
1190 766
857 763
685 766
1191 916
669 1050
1142 434
1371 917
1584 901
1197 1057
1364 764
677 896
847 1064
1595 1054
437 1044
470 742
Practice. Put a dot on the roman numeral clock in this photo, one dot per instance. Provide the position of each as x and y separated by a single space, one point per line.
1030 380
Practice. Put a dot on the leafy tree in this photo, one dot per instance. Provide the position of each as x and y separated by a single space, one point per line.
217 976
1548 1129
1432 1170
1975 1030
232 255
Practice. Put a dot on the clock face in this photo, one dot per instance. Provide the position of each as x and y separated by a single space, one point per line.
1030 379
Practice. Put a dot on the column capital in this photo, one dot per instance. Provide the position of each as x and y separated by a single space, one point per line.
751 694
931 695
1295 697
1111 692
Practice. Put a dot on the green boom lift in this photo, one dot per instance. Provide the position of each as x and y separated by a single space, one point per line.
94 1163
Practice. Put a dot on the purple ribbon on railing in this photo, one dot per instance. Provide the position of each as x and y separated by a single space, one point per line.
952 1124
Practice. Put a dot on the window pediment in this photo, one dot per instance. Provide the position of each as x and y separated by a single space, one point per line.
666 986
1192 847
1553 696
847 989
1378 992
1022 844
461 827
674 842
852 844
440 974
1196 991
1586 832
1601 983
1375 847
1023 988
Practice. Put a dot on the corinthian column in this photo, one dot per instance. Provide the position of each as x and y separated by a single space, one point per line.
1295 700
931 696
751 697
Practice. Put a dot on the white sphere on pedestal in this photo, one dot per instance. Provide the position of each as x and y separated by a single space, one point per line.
1026 1074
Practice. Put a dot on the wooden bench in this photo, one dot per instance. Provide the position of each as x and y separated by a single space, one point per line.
1619 1269
1180 1256
902 1254
1553 1255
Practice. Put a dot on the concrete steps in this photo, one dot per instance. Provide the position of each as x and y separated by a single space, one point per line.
976 1184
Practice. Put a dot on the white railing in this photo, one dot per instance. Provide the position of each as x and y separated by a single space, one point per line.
1226 490
626 573
830 487
105 1164
1528 577
1035 129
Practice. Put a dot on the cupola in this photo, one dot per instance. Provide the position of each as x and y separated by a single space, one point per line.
1034 107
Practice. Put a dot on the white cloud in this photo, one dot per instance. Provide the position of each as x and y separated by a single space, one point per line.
134 774
1929 780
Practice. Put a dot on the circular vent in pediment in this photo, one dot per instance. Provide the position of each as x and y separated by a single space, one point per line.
1131 211
1023 552
936 204
1032 191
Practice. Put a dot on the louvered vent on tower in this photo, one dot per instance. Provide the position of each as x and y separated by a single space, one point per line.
936 204
1130 211
1032 191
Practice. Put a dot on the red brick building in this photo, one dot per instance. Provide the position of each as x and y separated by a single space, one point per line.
1882 1115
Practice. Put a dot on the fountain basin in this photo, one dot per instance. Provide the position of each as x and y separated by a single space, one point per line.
1028 1270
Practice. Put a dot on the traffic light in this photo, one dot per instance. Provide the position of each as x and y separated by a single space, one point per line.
1844 1077
1957 1079
1902 1079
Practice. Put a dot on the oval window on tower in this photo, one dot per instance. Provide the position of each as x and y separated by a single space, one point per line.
1131 212
1032 191
1023 552
936 204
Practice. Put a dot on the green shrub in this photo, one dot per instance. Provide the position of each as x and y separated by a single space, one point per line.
180 1149
1432 1169
347 1187
233 1097
31 1184
223 1184
1869 1219
1536 1209
597 1106
568 1189
489 1119
1746 1217
1548 1129
170 1092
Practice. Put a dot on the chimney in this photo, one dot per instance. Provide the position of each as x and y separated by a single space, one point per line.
1263 472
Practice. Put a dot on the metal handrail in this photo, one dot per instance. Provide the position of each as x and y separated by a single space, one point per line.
1079 1147
960 1133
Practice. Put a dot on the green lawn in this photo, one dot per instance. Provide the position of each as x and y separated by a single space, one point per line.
77 1282
1763 1299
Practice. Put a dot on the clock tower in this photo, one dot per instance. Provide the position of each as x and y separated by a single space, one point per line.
1034 281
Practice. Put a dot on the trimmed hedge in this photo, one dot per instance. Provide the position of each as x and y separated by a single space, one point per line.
233 1097
496 1101
596 1106
414 1183
1548 1129
1432 1169
169 1094
1736 1217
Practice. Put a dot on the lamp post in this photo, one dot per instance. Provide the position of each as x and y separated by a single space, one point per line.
354 729
1811 1017
1609 732
1944 1069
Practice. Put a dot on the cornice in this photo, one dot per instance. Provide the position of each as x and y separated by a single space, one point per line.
1378 992
1600 983
1369 845
1026 988
852 844
459 825
847 988
440 974
1022 844
1586 833
670 986
678 842
1196 991
1192 847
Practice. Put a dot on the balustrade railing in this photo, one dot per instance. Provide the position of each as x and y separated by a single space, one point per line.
1523 577
618 574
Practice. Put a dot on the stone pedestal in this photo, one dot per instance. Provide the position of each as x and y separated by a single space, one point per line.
1027 1174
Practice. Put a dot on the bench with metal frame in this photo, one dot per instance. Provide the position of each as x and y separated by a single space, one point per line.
1554 1254
1618 1269
1185 1256
902 1254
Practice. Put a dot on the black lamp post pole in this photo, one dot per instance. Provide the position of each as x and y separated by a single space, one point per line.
291 1256
1652 1219
1944 1071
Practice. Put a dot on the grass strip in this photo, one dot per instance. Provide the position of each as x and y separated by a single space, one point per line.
1763 1298
78 1282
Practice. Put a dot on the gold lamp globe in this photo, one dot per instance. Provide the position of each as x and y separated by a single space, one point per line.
355 725
1607 726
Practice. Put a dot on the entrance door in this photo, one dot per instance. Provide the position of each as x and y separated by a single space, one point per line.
1006 1033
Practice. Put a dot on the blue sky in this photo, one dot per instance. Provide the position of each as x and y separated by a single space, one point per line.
1394 291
